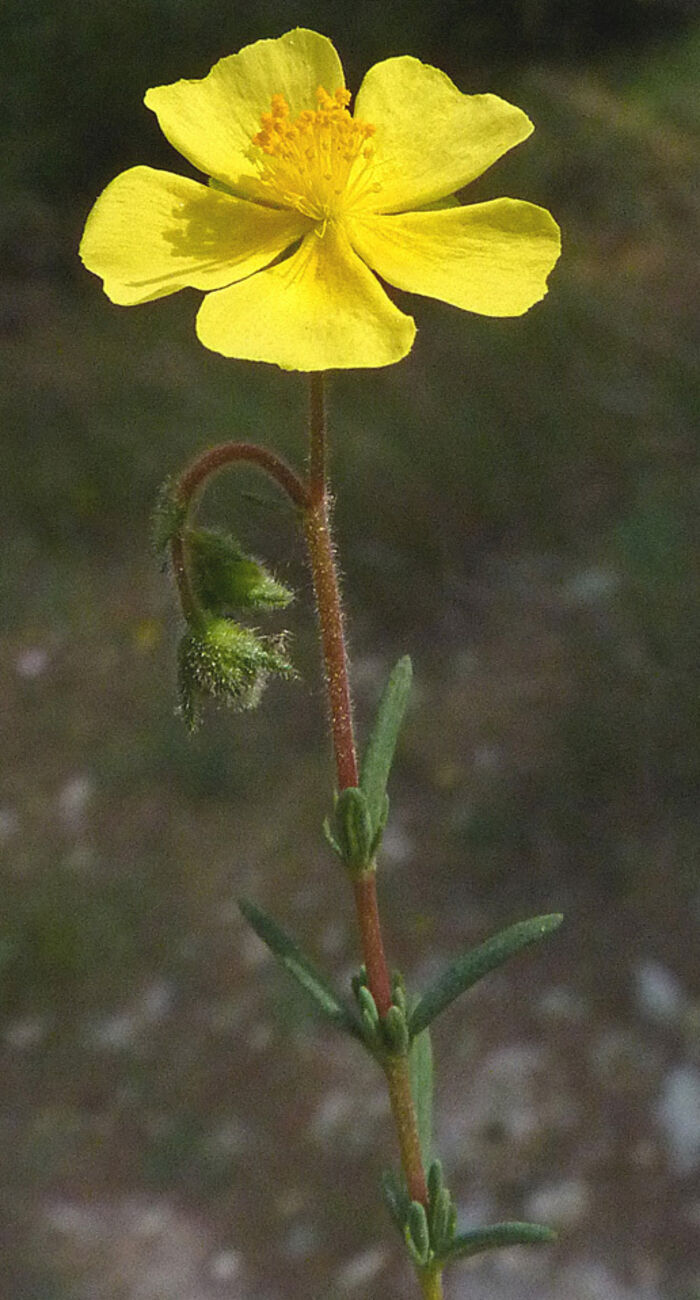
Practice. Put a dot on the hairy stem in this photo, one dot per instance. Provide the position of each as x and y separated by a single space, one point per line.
226 453
322 558
403 1110
431 1284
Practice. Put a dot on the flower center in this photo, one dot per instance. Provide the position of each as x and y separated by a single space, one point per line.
319 162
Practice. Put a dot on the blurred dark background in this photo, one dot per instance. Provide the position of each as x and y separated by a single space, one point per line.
515 509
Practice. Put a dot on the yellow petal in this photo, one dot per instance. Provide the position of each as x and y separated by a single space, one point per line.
430 138
151 233
212 121
320 309
491 258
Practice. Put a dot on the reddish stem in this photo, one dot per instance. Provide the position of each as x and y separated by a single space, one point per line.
226 453
365 890
320 547
330 614
403 1111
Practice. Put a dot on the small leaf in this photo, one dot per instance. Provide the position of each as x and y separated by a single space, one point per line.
499 1234
382 742
396 1198
417 1235
420 1065
370 1019
330 837
353 828
441 1221
436 1179
477 962
395 1031
290 955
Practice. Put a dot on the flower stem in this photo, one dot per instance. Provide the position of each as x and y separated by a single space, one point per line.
322 559
431 1284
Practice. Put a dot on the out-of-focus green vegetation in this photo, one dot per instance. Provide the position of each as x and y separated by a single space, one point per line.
515 509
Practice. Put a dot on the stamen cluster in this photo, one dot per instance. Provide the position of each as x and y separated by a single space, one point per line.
317 162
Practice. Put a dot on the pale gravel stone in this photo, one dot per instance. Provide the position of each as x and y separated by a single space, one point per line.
678 1113
362 1269
588 1279
73 799
9 824
562 1005
133 1249
122 1029
559 1205
227 1267
514 1100
660 996
32 662
300 1240
332 1113
488 758
27 1033
397 845
591 585
624 1062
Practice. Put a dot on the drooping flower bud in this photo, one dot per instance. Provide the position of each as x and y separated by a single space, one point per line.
223 661
225 578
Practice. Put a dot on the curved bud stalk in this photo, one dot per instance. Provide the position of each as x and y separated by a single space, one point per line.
168 519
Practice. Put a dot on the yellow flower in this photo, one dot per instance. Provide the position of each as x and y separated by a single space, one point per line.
306 201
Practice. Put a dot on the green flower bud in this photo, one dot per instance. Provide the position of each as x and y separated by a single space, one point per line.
225 578
226 662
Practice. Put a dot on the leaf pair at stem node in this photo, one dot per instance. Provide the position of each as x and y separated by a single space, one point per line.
360 813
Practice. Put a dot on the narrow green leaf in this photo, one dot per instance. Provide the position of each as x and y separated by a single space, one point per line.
499 1234
417 1235
330 837
477 962
440 1219
379 753
436 1180
290 955
397 1200
420 1065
